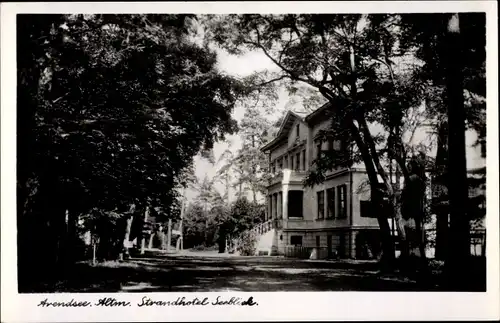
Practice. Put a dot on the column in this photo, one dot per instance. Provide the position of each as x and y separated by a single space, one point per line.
285 201
270 206
280 205
266 215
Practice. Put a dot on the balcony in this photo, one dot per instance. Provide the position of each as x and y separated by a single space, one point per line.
294 175
286 176
276 178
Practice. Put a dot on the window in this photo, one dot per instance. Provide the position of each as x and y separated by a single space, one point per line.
330 200
296 240
297 130
280 163
297 164
295 202
337 145
321 204
275 203
318 150
318 241
342 210
286 161
291 161
330 144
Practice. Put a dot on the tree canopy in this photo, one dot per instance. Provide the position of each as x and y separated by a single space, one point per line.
111 111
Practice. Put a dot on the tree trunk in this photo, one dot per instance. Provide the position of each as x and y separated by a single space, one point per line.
150 243
388 254
126 238
143 239
403 239
440 184
169 235
163 240
457 259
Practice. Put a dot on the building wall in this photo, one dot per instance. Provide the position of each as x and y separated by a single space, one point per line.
303 132
311 200
361 192
343 249
311 226
313 131
278 151
310 204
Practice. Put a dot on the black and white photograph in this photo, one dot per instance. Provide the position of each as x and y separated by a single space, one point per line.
205 152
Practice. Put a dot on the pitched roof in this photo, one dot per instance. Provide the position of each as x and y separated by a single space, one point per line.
285 127
290 117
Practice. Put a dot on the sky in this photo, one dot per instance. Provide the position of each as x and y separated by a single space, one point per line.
238 66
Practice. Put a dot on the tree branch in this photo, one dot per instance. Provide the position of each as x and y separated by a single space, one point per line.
365 153
272 80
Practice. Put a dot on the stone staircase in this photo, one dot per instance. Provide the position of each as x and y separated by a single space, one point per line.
267 239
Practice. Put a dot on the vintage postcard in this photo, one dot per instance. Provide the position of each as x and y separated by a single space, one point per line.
243 161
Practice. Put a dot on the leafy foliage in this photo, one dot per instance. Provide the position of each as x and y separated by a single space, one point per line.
247 243
111 110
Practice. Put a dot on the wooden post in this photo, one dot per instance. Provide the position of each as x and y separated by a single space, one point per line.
143 240
179 245
150 244
93 253
169 234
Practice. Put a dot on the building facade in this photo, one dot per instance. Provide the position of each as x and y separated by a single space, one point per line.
332 219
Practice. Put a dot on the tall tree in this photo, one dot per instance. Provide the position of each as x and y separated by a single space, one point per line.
350 60
254 128
459 223
112 108
453 49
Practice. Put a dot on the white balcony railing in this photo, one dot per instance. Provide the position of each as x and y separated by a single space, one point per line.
287 175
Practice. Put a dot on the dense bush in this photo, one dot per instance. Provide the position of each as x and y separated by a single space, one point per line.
247 243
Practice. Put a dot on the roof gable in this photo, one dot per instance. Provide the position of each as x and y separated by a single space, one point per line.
284 129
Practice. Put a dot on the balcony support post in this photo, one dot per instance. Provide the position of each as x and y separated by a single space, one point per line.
284 207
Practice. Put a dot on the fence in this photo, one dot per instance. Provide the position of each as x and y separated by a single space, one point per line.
477 242
298 252
302 252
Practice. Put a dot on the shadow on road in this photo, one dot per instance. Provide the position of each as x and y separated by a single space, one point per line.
203 274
